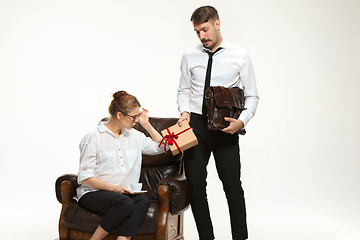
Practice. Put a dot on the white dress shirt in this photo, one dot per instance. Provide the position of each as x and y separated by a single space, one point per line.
113 160
231 67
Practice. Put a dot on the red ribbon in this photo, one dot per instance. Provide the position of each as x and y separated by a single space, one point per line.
170 139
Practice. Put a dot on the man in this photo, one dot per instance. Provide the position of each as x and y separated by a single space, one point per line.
231 66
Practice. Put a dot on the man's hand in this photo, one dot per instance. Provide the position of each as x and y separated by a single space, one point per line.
184 116
235 125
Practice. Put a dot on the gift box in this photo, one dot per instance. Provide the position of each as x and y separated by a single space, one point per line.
179 138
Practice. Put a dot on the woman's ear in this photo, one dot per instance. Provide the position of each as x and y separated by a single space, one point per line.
119 115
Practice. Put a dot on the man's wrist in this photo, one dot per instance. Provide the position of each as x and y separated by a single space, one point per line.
185 112
241 123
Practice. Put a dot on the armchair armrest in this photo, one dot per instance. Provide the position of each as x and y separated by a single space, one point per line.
179 193
70 177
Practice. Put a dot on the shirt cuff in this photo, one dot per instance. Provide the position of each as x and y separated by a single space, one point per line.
184 109
85 175
245 118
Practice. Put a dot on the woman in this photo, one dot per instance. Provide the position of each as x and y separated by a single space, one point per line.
110 160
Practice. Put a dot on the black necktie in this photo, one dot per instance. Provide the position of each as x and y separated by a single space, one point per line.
207 78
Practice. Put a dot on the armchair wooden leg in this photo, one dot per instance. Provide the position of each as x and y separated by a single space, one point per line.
67 192
164 210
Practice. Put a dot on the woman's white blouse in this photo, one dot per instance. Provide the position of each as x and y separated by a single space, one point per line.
113 160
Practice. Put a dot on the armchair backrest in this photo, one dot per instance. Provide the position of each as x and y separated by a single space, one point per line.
154 168
157 167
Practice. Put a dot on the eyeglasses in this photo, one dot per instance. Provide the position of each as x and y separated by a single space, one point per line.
133 117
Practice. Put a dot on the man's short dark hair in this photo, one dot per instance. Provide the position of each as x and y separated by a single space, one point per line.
204 14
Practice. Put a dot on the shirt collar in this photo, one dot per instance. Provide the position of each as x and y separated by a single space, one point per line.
223 45
102 128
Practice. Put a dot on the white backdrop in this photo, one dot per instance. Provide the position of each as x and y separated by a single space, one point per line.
60 61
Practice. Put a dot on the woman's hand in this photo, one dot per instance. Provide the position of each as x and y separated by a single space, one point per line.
144 117
122 189
144 121
98 184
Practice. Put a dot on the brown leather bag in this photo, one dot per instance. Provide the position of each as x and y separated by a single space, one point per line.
223 102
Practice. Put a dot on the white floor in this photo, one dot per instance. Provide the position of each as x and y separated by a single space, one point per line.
40 222
268 218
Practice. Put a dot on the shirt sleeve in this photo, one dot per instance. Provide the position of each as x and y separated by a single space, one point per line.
151 147
250 90
183 94
87 157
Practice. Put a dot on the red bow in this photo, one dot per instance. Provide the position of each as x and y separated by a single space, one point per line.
170 139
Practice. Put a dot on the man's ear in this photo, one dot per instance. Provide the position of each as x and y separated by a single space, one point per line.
217 24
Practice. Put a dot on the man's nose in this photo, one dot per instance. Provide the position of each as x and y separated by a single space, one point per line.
202 35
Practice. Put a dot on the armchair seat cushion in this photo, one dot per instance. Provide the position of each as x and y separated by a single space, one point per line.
80 219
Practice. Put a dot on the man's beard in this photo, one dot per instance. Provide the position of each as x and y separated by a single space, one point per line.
210 46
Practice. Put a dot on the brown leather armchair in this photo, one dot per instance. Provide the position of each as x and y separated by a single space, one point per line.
162 176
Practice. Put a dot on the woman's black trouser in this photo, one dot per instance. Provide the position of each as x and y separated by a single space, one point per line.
225 148
123 214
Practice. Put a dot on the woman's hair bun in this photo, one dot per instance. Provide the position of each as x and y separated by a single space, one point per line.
119 94
122 102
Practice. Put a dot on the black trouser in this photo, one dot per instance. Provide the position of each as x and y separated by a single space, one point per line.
225 148
123 214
